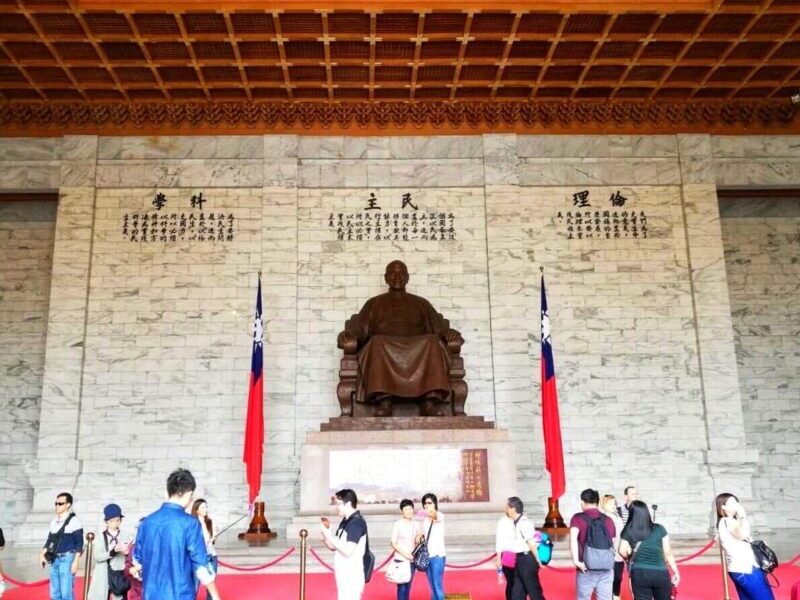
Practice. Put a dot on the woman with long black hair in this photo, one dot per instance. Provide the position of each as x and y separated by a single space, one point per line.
433 530
646 546
200 510
734 532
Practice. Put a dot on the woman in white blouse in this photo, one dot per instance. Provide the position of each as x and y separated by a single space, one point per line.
734 533
200 510
404 538
433 530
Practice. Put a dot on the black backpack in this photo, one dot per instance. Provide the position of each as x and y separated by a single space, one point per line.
598 552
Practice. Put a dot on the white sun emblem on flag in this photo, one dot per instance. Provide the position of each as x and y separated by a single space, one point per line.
545 328
258 331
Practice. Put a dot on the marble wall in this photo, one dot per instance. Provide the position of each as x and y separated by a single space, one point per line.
26 246
149 342
762 255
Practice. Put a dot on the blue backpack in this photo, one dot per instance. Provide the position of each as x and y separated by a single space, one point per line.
545 549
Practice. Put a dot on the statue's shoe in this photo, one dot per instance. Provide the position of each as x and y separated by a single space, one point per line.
430 409
384 409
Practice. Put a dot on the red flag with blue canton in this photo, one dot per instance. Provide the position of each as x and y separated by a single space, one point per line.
254 427
551 422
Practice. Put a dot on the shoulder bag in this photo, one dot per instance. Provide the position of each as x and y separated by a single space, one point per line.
118 584
54 541
422 559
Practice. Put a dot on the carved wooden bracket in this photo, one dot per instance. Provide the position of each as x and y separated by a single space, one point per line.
501 116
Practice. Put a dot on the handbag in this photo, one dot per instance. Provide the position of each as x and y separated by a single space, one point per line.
766 558
508 559
422 559
399 572
118 584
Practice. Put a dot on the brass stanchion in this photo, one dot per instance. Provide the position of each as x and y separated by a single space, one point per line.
303 550
725 590
87 573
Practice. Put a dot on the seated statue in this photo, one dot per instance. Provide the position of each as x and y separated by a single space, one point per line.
404 350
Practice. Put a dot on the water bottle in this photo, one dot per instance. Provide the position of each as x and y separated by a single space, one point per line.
501 580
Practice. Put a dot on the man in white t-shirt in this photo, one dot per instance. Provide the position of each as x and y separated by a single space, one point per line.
526 570
349 543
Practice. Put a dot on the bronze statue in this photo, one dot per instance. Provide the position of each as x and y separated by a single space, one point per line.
399 349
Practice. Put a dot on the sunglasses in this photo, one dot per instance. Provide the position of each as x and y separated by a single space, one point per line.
60 503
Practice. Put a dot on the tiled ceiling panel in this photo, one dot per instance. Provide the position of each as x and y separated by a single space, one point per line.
56 51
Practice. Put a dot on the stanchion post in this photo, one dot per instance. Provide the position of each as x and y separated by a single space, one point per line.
725 590
87 565
303 550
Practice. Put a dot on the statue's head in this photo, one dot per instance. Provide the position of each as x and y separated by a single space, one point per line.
396 276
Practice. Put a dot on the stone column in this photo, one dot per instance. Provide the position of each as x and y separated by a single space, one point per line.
730 462
56 467
279 289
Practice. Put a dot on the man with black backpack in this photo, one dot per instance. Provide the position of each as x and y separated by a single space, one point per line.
353 562
63 549
591 535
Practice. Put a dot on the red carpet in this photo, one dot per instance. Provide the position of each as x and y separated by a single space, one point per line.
700 582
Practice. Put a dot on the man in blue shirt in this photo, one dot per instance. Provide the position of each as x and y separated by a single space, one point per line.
170 547
63 549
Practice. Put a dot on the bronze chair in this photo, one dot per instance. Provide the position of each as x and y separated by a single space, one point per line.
349 381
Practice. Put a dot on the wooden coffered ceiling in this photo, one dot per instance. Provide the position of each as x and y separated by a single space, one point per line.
117 66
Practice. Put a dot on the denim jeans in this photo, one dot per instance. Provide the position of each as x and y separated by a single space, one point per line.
61 578
404 589
599 582
435 575
752 586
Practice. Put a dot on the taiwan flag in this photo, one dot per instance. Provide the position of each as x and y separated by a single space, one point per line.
254 427
551 423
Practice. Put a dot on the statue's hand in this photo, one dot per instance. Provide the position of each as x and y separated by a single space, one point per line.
453 336
345 339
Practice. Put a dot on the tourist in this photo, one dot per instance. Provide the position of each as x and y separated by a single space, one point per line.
526 569
170 547
504 544
433 530
591 545
404 538
646 546
609 508
734 531
2 579
109 553
63 549
200 510
134 570
349 543
630 494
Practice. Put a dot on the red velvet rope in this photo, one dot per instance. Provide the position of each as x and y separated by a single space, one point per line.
386 562
25 584
791 562
700 552
483 561
320 560
259 567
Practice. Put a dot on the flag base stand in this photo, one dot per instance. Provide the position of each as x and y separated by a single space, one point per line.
554 525
259 530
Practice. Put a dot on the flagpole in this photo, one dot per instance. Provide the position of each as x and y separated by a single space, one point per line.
553 524
259 530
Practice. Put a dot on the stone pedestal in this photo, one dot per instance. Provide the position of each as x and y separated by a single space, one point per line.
464 519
